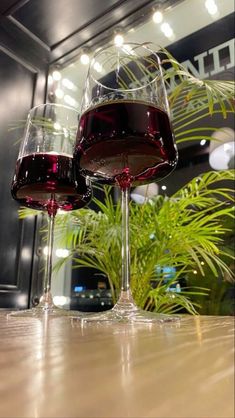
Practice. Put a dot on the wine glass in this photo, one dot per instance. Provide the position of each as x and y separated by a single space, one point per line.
125 138
46 179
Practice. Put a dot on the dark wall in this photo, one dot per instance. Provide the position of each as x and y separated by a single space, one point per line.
17 85
22 85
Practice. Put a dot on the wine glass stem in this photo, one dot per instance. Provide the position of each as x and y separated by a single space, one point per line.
125 285
48 273
46 301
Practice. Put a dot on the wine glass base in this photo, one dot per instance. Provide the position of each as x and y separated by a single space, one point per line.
138 316
42 311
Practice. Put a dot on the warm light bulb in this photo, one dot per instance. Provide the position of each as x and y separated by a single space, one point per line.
167 30
56 75
118 40
59 93
57 126
62 252
69 84
157 17
97 67
46 250
85 59
211 7
70 100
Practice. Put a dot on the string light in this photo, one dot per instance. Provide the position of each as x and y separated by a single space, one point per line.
69 84
97 66
85 59
62 252
56 75
45 251
211 7
59 93
157 17
70 100
57 126
118 39
167 30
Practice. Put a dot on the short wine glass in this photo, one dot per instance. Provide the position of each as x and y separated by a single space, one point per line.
125 138
46 179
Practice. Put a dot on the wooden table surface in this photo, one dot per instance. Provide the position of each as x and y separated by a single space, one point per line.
56 368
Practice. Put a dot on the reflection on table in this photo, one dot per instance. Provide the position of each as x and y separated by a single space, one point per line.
56 368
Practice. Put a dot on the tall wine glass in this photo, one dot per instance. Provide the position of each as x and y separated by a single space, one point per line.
125 138
46 179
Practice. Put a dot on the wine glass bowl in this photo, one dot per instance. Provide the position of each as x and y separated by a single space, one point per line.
45 169
125 130
125 137
46 178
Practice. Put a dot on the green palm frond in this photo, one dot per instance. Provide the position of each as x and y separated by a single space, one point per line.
185 231
193 100
181 231
190 92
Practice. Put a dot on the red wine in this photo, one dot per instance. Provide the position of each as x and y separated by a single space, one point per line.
125 142
43 180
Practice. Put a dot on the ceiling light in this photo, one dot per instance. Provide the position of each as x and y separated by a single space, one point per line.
62 252
167 30
85 59
70 100
157 17
69 84
164 187
211 7
59 93
56 75
118 39
203 142
97 66
45 251
57 126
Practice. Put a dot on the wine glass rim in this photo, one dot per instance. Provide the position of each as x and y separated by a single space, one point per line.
58 105
143 45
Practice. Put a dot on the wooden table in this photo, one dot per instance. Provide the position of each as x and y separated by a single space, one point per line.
56 368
